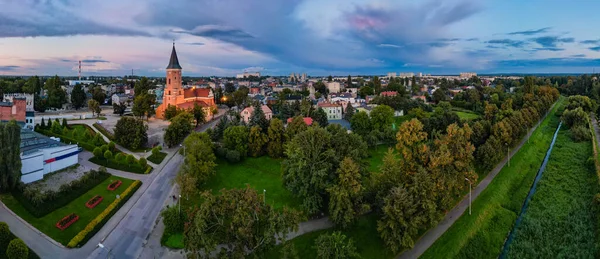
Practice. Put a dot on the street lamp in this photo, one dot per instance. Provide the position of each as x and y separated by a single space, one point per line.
179 203
105 248
507 153
181 145
265 196
470 188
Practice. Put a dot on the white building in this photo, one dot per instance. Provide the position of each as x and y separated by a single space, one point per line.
334 87
28 99
41 155
333 111
404 75
246 75
120 98
391 74
467 75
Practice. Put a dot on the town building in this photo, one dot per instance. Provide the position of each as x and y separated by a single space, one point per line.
41 155
176 95
120 98
391 74
247 75
334 87
333 110
29 99
389 93
307 120
80 82
467 75
17 110
247 113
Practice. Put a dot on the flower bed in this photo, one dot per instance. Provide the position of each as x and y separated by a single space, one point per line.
114 185
67 221
94 201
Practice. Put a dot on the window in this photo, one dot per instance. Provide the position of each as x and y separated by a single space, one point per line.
169 80
169 91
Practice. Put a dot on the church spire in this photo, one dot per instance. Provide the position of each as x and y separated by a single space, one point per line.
174 62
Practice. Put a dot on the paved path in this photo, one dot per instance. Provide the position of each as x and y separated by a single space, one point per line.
433 234
596 130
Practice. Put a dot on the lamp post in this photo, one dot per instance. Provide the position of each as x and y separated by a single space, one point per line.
105 248
470 190
179 203
507 153
265 196
181 145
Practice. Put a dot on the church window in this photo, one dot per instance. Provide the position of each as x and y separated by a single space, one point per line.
169 92
169 80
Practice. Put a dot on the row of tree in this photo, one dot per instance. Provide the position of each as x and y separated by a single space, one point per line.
10 161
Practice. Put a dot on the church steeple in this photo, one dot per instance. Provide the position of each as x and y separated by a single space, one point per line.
174 62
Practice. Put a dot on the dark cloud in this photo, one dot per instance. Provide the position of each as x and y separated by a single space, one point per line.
591 42
550 62
9 68
597 48
530 32
94 61
472 39
495 47
578 56
507 42
195 43
439 44
67 60
551 41
549 49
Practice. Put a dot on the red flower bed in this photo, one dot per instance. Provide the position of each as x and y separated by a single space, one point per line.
94 201
114 185
67 221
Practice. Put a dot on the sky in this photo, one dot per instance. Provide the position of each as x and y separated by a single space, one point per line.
317 37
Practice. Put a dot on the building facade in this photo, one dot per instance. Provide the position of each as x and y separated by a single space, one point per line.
41 155
247 113
175 95
333 110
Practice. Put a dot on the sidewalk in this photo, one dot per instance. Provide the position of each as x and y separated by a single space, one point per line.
433 234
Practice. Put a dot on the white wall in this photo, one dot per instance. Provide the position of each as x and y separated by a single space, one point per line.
32 167
59 164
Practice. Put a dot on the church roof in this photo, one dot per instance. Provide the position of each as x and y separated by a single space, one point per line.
174 62
196 92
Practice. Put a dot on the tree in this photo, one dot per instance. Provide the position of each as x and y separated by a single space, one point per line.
56 95
257 118
320 117
365 91
143 162
130 159
98 152
199 157
187 183
236 138
257 141
171 111
440 95
399 223
17 249
119 108
108 155
131 132
199 114
335 246
308 168
5 235
229 87
329 78
10 161
181 125
43 124
240 220
78 97
64 123
94 106
296 126
98 94
39 104
288 251
33 85
276 135
119 157
361 124
382 117
143 105
349 112
345 203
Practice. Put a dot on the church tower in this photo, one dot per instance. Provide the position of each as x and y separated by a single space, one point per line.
173 93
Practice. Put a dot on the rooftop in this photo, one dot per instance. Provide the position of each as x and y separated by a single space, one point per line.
32 141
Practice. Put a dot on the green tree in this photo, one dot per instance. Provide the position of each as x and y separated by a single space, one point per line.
320 117
236 138
94 106
257 141
171 111
119 157
43 124
240 219
199 157
173 220
382 117
119 108
335 246
361 124
17 249
131 132
33 85
288 251
98 152
56 95
78 97
130 159
143 105
64 123
111 145
39 104
5 235
181 125
297 125
98 94
108 155
365 91
142 162
10 161
345 203
349 112
199 114
258 118
276 134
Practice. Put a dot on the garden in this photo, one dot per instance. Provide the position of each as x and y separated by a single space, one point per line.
157 156
77 211
13 247
482 234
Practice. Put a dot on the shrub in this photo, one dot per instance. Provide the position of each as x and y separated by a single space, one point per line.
233 156
119 157
5 235
221 152
97 222
98 152
107 154
104 148
111 146
130 159
17 249
143 163
173 219
580 133
335 245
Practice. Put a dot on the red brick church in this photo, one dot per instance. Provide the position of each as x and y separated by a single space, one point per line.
185 99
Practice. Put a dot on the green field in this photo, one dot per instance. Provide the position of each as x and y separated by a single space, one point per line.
158 158
482 234
560 220
376 155
364 233
467 115
47 224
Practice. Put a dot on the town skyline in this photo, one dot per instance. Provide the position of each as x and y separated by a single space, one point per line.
319 38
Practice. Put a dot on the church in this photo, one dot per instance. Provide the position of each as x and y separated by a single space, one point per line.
185 99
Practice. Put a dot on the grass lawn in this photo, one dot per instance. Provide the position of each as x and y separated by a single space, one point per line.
123 166
560 220
158 158
467 115
47 223
376 155
364 233
482 234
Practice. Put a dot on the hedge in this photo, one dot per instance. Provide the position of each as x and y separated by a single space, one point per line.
63 197
104 131
122 166
96 224
10 237
17 249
